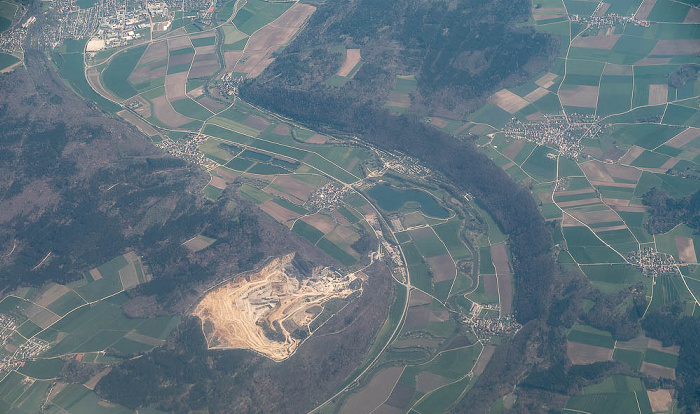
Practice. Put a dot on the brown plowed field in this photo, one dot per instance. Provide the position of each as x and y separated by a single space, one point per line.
536 94
595 171
660 400
179 43
686 250
582 354
508 101
263 43
210 104
374 394
658 371
166 114
148 72
546 80
154 52
443 268
176 86
658 94
278 212
322 223
514 148
204 65
231 59
693 16
583 96
631 155
676 47
684 138
297 188
352 58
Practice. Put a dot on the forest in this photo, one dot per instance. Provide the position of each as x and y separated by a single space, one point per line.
458 51
666 212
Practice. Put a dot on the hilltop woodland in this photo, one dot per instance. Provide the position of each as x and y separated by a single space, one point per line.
81 188
666 212
460 51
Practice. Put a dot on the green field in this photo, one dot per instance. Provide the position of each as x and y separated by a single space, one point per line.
591 337
7 60
449 234
192 109
71 69
428 244
620 403
116 74
7 13
307 231
257 13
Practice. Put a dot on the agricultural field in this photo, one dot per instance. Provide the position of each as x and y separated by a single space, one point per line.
45 328
352 61
8 9
449 259
177 81
615 116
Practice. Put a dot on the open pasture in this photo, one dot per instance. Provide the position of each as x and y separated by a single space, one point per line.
7 14
541 164
427 242
449 234
586 248
115 75
257 14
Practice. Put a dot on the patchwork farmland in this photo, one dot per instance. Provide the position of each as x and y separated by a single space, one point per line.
45 329
613 118
450 262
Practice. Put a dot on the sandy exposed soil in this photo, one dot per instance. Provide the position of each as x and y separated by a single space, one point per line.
234 314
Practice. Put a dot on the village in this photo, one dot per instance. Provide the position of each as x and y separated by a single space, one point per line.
486 327
558 131
187 150
652 263
607 20
327 197
17 355
228 86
